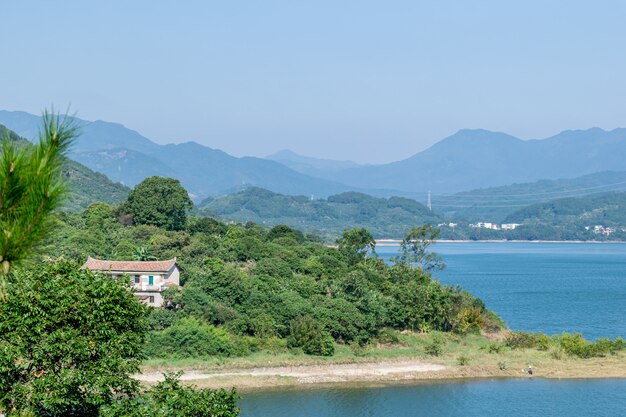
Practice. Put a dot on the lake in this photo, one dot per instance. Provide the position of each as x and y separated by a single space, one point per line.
547 287
508 397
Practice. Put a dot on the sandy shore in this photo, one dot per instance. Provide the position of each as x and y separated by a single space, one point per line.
385 372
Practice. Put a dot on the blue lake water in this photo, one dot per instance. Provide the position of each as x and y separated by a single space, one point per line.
511 397
547 287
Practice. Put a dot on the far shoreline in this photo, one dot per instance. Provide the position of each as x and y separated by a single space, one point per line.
396 242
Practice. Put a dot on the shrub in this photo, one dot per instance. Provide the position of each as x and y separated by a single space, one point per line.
462 360
306 333
525 340
387 335
502 366
435 347
170 399
189 337
495 348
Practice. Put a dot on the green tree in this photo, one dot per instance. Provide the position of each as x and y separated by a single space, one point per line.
158 201
69 340
414 249
356 244
31 187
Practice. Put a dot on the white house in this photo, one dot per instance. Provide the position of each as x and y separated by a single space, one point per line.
148 278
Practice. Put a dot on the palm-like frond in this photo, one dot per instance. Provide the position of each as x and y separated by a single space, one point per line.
31 187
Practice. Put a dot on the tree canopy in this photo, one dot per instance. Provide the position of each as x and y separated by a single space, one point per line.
158 201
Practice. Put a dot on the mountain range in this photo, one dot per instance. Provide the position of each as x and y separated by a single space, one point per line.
127 157
467 160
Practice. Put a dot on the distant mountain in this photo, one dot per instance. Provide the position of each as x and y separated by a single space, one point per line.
128 157
473 159
496 203
385 218
86 186
322 168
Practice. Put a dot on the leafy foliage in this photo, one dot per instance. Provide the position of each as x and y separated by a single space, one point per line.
170 399
160 202
383 217
69 340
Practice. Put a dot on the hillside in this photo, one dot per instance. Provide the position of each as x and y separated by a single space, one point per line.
606 210
127 157
86 186
496 203
385 218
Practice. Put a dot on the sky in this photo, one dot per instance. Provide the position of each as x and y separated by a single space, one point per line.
369 81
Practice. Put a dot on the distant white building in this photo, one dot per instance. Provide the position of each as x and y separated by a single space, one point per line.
451 225
601 230
485 225
510 226
148 278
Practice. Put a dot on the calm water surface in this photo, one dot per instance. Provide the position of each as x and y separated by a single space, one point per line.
548 287
537 397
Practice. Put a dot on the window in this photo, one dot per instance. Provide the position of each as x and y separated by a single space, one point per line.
137 279
151 300
150 280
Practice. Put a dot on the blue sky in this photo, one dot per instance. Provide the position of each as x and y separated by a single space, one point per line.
361 80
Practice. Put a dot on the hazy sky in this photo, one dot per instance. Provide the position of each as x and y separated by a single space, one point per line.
361 80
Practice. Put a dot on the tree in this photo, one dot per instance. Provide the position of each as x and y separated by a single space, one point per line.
69 341
158 201
356 244
414 249
31 187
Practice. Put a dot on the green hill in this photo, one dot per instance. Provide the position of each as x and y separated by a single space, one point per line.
86 186
497 203
384 217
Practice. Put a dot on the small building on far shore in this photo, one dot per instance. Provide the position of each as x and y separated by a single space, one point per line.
148 278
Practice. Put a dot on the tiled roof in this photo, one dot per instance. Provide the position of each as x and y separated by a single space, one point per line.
129 266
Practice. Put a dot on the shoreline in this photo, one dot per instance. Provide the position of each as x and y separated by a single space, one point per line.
396 242
389 372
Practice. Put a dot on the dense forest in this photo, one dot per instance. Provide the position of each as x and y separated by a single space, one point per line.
383 217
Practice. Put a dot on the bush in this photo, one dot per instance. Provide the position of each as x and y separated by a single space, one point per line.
495 348
576 345
307 334
189 337
435 347
170 399
387 335
462 360
525 340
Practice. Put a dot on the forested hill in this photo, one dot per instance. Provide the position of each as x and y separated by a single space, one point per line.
383 217
86 186
608 210
495 204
